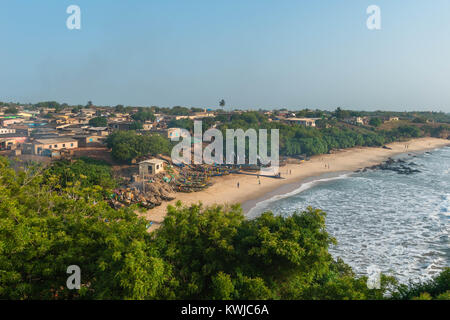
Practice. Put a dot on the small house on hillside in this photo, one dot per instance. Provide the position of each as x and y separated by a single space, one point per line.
151 166
307 122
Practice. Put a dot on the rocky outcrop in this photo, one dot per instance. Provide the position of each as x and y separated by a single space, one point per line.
400 166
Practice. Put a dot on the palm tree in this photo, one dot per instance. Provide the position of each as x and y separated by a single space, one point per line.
222 103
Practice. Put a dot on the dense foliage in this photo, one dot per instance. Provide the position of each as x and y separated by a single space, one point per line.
215 253
295 139
128 145
85 171
298 139
48 104
99 122
376 122
43 231
435 289
174 111
11 110
197 253
187 124
143 115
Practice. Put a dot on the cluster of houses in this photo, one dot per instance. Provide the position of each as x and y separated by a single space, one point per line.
46 132
364 121
35 132
51 132
289 117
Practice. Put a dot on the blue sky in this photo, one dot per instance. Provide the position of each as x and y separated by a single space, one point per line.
295 54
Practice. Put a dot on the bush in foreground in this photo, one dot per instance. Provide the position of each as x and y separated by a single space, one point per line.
197 253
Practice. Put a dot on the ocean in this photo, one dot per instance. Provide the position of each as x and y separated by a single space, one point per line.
398 224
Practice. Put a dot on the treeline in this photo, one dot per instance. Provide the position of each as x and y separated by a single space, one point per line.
197 253
294 139
298 139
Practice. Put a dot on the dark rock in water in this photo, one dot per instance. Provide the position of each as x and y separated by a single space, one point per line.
398 166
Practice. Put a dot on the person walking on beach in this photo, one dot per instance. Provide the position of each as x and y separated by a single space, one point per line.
238 184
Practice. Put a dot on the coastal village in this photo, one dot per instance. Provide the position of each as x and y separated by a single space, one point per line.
225 159
49 132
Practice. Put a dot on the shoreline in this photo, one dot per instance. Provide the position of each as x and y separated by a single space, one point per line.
225 191
290 188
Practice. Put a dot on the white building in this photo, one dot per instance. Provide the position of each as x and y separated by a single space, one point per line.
152 166
7 130
307 122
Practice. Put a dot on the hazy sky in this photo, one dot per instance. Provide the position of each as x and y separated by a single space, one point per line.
252 53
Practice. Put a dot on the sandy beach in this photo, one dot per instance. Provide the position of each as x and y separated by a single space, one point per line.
225 190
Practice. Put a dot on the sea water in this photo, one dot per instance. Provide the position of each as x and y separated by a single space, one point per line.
396 223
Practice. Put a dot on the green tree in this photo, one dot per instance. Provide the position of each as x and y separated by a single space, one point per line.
376 122
127 145
187 124
48 223
143 116
11 110
43 231
136 125
119 108
341 114
215 252
98 122
85 171
436 288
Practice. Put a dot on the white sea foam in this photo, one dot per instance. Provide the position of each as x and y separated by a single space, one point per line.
399 223
262 205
